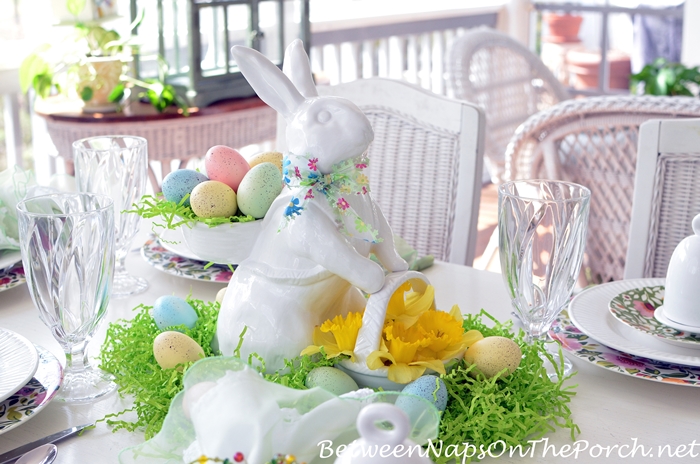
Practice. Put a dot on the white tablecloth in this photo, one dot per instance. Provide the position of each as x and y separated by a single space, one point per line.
611 409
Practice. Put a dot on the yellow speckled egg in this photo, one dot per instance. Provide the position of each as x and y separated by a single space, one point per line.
493 354
173 348
220 295
258 189
273 157
213 199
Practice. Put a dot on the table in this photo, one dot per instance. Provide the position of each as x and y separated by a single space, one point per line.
611 409
171 136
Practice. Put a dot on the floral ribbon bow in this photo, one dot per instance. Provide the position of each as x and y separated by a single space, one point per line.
346 178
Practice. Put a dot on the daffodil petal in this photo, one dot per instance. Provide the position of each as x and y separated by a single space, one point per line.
311 349
403 373
376 359
436 365
471 337
457 314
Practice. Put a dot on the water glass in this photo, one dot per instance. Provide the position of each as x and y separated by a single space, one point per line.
67 244
542 228
116 166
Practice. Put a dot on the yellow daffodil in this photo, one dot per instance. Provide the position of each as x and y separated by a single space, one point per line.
448 339
337 336
406 306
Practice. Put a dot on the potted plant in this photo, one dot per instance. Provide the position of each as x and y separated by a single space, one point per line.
664 78
90 65
563 28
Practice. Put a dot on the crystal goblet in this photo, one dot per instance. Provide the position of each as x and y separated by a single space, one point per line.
542 228
116 166
67 244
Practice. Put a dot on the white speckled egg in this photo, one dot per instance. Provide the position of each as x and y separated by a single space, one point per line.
173 348
331 379
220 295
258 189
213 199
273 157
170 310
226 165
423 387
493 354
193 394
179 183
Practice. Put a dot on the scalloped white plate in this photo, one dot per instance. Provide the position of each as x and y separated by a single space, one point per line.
590 314
18 362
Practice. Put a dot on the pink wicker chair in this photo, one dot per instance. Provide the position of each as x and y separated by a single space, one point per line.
507 80
666 194
593 142
426 163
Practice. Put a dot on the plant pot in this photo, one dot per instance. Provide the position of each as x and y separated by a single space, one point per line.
562 28
585 68
97 78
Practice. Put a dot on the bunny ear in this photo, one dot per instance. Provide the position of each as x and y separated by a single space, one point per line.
298 69
271 85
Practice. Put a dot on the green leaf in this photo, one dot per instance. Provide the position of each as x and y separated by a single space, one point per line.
32 66
75 7
42 84
86 93
117 93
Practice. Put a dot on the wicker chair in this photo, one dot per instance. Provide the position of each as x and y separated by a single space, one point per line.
593 142
427 151
666 194
507 80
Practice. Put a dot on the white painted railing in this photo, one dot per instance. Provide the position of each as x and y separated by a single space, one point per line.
410 47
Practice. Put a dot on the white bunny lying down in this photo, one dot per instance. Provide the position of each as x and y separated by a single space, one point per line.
312 255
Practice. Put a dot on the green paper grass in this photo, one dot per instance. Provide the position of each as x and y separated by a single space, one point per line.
506 412
175 215
127 354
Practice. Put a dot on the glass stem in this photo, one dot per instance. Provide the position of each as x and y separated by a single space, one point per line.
120 264
76 358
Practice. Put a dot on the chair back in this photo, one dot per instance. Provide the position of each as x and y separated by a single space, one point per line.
666 194
426 163
593 142
507 80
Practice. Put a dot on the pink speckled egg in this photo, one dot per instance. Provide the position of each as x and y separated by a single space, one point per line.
226 165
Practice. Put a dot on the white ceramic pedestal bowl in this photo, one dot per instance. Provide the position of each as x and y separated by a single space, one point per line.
222 244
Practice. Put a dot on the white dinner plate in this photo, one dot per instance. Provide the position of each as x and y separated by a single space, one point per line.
590 314
8 258
18 362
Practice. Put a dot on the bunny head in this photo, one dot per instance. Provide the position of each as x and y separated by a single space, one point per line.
331 129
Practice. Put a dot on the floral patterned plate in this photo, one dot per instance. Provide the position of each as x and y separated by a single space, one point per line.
35 395
167 261
12 277
590 313
584 347
636 308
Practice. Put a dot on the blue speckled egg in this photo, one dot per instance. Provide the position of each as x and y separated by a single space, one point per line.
331 379
179 183
423 387
169 311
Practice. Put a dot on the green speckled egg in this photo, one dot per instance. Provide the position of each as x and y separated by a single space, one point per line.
213 199
258 189
173 348
331 379
493 354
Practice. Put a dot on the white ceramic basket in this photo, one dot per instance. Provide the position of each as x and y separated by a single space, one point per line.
222 244
370 333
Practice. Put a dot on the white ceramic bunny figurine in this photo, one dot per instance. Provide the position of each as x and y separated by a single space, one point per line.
312 254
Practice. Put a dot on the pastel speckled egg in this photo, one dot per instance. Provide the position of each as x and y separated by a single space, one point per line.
331 379
213 199
179 183
430 388
492 355
173 348
169 311
273 157
226 165
258 189
220 295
